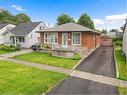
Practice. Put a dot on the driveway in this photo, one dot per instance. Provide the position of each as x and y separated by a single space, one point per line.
99 62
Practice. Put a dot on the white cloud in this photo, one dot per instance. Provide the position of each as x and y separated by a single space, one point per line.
110 21
19 8
98 21
115 18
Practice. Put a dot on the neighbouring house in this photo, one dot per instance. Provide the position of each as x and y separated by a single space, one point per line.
24 34
117 34
111 34
66 39
4 28
124 47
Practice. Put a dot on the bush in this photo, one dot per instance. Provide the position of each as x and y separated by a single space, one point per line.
118 41
76 56
8 48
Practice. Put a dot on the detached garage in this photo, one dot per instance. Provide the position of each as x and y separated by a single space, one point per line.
106 41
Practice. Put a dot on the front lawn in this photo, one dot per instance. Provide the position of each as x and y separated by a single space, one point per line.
121 62
19 79
45 58
122 68
3 52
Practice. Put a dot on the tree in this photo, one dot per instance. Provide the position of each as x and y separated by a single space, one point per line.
86 21
113 30
104 31
64 18
22 18
6 16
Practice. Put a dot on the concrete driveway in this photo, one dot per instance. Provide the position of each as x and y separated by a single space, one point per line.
99 62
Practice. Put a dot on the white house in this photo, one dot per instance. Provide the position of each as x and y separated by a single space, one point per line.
4 28
24 34
124 47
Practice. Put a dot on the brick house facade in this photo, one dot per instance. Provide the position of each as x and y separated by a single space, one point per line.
71 37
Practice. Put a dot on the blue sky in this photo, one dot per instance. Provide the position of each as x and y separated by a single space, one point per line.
105 13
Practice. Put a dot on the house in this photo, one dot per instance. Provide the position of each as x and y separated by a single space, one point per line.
70 38
124 47
3 29
24 34
111 34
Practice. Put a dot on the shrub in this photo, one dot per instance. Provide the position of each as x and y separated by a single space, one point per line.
8 48
76 56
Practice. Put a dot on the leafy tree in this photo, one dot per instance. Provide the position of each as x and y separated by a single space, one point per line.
64 18
113 30
7 17
22 18
104 31
86 21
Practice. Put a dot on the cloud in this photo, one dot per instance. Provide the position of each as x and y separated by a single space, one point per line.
19 8
110 21
98 21
114 18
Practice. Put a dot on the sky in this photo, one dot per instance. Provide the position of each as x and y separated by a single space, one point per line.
106 14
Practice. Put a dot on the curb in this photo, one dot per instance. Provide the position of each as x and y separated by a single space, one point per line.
116 65
54 85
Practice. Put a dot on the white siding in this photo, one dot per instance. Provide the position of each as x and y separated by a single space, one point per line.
32 37
7 27
125 42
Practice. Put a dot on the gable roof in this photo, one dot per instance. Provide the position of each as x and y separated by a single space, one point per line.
68 27
2 25
23 29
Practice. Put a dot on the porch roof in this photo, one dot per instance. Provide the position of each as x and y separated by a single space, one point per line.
2 25
69 27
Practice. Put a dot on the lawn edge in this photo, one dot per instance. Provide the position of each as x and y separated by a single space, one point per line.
116 64
55 85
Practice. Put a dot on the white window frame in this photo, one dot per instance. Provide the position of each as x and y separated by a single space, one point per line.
50 42
80 38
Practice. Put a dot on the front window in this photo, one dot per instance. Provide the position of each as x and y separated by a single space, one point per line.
51 38
21 39
76 38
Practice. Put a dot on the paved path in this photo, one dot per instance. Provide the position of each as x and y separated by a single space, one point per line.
75 73
100 62
100 79
12 54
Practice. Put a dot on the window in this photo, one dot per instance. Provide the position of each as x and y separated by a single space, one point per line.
21 39
76 38
51 38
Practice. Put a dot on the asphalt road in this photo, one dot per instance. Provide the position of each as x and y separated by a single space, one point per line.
100 62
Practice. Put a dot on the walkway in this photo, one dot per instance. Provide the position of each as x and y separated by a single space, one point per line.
12 54
74 73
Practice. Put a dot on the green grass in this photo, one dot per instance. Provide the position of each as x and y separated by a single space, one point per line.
122 91
45 58
3 51
19 79
122 65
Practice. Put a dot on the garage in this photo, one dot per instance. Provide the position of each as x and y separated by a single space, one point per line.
106 41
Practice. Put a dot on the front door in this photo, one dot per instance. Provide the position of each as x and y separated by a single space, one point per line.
64 40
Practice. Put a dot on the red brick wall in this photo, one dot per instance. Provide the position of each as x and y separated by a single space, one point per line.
69 38
59 38
90 40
